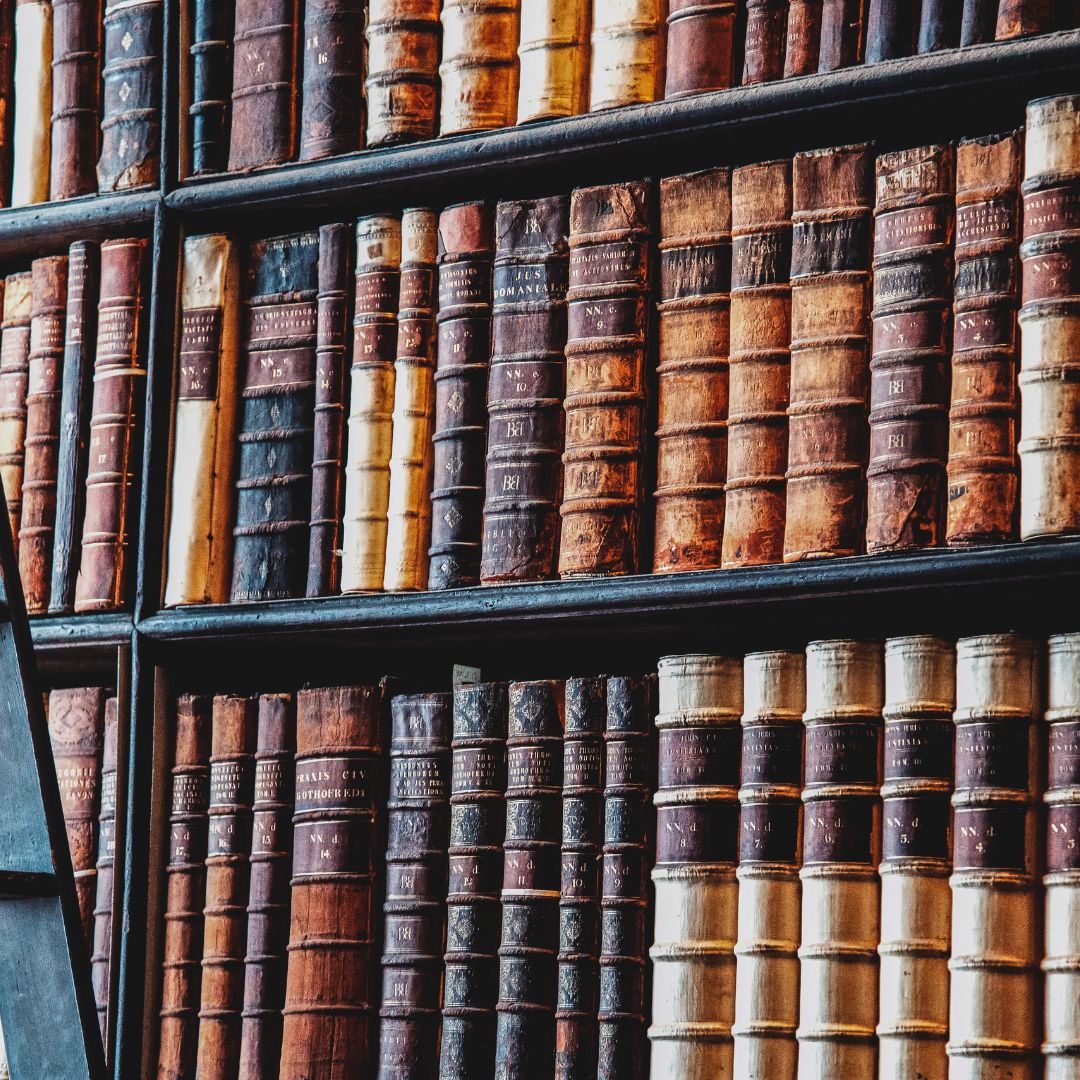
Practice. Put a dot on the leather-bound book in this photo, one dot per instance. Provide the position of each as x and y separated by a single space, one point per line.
978 21
268 893
1022 18
995 987
479 68
76 97
33 102
131 97
332 87
760 364
264 84
920 693
328 994
5 1070
331 363
803 37
273 501
553 54
76 394
913 235
697 844
402 81
891 28
408 526
466 249
101 955
838 999
210 68
115 429
37 514
418 827
700 47
477 832
606 382
185 889
841 34
628 52
770 850
14 382
830 333
576 1027
371 402
982 466
939 25
691 453
765 41
525 390
7 115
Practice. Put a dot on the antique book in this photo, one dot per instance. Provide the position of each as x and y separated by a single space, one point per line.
131 95
37 514
913 234
408 526
838 998
700 47
939 25
235 727
759 358
770 849
978 21
995 1007
270 867
334 324
332 85
7 115
913 1019
891 28
479 69
14 381
841 34
526 383
1021 18
627 62
606 358
414 911
466 249
185 889
112 478
201 493
76 97
982 465
5 1070
264 83
210 71
765 41
803 37
101 954
33 79
329 993
692 308
402 80
576 1026
371 402
697 844
832 193
273 486
553 54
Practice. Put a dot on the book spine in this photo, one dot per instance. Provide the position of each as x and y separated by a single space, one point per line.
700 45
14 379
770 850
210 68
525 391
76 97
759 361
830 340
838 1001
939 25
982 465
697 843
628 55
607 313
803 37
7 107
891 26
693 310
33 78
765 41
841 34
101 956
977 22
553 56
1022 18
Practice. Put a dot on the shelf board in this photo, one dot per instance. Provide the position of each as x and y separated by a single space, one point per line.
80 642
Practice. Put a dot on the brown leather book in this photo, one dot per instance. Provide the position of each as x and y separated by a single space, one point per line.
76 97
765 41
606 359
115 429
841 34
1022 18
830 328
891 27
101 956
978 21
14 379
939 25
691 452
803 37
699 47
525 391
913 233
210 68
329 998
42 440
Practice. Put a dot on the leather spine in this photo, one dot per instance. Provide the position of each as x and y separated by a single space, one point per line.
891 26
33 81
978 21
5 1069
553 57
841 34
765 41
76 97
803 36
627 65
101 956
700 47
7 116
210 70
939 25
1022 18
14 380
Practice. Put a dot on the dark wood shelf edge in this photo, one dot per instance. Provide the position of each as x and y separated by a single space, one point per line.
58 633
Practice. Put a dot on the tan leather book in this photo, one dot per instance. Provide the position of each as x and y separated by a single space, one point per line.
199 550
33 102
626 66
14 377
553 53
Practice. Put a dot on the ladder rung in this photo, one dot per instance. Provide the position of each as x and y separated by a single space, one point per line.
17 885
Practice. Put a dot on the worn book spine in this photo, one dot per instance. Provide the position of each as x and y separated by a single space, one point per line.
830 339
700 47
841 34
76 97
112 478
101 954
759 360
978 21
913 1021
7 114
995 990
210 69
693 310
803 37
913 236
765 41
466 249
553 54
939 25
33 80
414 935
627 62
770 849
1022 18
838 999
14 381
402 80
891 28
408 526
5 1069
477 832
697 844
525 391
606 384
982 465
329 1005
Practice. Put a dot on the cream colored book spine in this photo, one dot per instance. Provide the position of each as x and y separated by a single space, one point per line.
5 1070
553 54
627 59
770 845
33 102
201 489
14 382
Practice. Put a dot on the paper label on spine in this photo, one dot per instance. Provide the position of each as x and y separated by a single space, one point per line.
200 347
